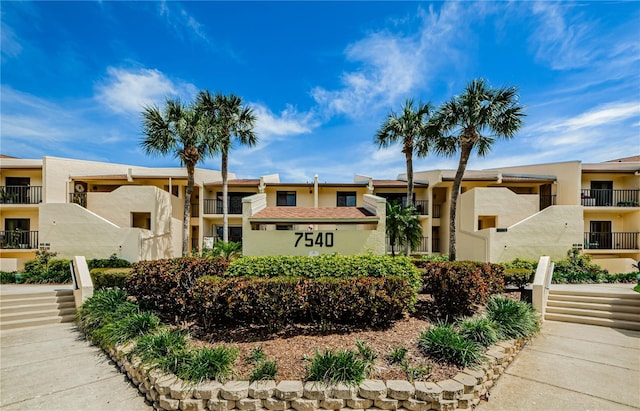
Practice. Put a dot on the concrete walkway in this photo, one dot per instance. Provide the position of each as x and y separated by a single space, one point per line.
572 367
53 368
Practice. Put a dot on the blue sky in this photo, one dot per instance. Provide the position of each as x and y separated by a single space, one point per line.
321 77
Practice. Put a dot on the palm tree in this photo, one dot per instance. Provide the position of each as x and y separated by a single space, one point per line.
409 128
228 120
473 121
177 129
402 226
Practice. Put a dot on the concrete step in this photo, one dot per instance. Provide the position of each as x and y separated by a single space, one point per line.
598 306
36 307
605 322
16 300
581 312
625 298
33 314
34 322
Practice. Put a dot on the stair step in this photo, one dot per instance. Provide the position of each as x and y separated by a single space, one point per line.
633 297
34 322
598 306
32 314
36 294
40 299
36 307
594 313
605 322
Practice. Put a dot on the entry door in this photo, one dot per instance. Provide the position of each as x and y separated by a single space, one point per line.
603 192
600 235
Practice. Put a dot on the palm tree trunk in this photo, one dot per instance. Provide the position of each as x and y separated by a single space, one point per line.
409 160
465 152
225 189
186 218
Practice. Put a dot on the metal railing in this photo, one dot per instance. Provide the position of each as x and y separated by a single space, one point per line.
214 206
436 210
611 241
21 239
547 201
195 210
610 198
422 248
20 194
78 198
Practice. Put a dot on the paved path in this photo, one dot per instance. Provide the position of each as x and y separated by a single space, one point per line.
53 368
572 367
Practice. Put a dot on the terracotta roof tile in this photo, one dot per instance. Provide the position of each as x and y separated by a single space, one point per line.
313 214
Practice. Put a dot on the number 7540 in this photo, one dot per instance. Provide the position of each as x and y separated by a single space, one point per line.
315 239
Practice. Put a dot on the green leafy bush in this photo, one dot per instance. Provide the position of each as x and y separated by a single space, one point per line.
518 277
112 262
515 319
46 270
326 265
110 277
164 286
207 363
397 355
460 287
277 302
577 268
121 330
332 367
264 370
165 349
101 308
443 343
8 278
426 259
482 331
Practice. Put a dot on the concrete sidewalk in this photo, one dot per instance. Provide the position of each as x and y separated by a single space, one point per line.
572 367
53 368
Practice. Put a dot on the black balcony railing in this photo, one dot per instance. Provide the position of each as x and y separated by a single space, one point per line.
436 210
195 210
21 239
215 206
422 248
435 245
20 194
78 198
611 241
547 201
610 198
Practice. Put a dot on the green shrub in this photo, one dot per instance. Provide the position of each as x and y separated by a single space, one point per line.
256 355
482 331
47 271
110 277
397 355
207 363
281 301
515 319
577 268
165 349
460 287
112 262
9 278
164 286
444 344
342 366
126 329
326 265
101 308
426 259
522 263
518 277
265 370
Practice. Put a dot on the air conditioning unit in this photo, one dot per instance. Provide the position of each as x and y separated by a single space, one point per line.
79 187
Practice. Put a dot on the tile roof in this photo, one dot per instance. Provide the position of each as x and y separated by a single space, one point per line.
237 182
309 214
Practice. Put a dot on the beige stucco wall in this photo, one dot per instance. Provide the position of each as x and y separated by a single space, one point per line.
304 195
343 241
616 264
504 204
35 175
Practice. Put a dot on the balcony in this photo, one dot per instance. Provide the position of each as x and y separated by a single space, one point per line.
422 248
78 198
20 194
610 198
195 210
611 241
19 239
215 206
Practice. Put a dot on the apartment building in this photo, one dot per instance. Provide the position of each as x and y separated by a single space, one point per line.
97 209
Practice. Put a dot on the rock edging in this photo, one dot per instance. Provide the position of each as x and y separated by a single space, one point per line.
168 392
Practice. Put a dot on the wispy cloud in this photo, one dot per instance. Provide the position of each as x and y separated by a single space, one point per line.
128 91
9 43
288 122
604 115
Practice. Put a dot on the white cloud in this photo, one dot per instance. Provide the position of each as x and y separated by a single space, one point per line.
288 122
128 91
9 44
604 115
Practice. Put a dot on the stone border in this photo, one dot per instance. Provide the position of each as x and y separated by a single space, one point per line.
167 392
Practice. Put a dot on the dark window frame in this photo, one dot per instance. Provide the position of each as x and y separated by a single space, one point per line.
342 198
283 198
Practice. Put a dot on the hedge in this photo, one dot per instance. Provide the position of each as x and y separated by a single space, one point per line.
281 301
458 288
164 285
326 265
109 277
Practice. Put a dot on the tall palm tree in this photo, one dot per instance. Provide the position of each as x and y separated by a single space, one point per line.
402 226
177 129
228 120
473 121
410 128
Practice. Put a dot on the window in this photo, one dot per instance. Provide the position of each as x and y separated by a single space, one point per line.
346 199
284 227
286 198
141 220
